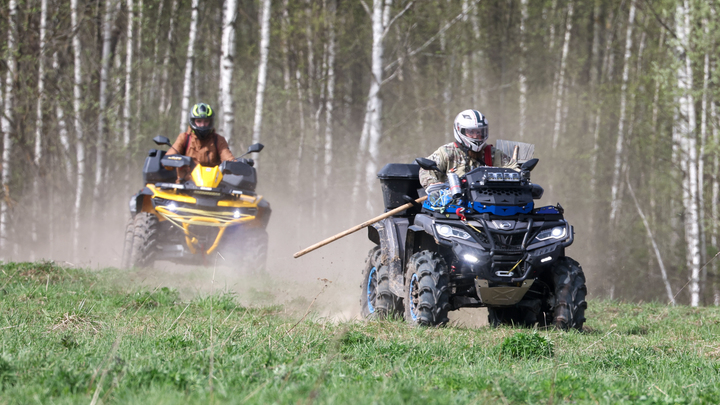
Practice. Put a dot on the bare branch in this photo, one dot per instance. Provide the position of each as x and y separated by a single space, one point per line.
398 15
365 6
440 32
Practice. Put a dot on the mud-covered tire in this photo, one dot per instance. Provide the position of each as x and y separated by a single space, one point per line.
570 291
376 299
128 244
426 290
255 248
144 247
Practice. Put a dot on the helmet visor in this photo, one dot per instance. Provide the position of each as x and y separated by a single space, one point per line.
480 134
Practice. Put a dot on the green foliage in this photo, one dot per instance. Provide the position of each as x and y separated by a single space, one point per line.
81 335
527 345
152 299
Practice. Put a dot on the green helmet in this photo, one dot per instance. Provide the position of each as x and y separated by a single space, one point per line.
204 111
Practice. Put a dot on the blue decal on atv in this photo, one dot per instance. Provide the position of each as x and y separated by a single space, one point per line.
370 291
449 209
547 210
502 211
414 280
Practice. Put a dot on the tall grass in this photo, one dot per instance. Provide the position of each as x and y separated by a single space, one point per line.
74 336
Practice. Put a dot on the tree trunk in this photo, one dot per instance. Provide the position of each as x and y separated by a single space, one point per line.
62 127
164 105
128 74
102 103
7 123
684 129
80 141
189 65
330 92
153 74
140 57
614 199
39 127
561 78
262 68
522 79
701 156
227 66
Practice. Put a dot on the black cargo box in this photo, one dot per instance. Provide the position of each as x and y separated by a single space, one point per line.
399 180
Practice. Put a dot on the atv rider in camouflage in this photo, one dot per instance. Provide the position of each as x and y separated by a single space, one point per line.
469 151
200 142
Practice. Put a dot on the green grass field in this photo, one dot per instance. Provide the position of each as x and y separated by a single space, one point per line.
77 336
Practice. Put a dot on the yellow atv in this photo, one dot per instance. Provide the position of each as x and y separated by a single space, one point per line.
215 213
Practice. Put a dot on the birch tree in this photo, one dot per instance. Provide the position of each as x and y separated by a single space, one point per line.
227 66
684 132
330 92
522 78
103 102
62 127
39 122
262 68
561 77
80 141
189 66
614 199
128 74
164 105
7 121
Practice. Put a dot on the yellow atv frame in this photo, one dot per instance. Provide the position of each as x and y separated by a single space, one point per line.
202 202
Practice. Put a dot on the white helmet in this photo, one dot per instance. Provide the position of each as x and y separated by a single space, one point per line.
471 130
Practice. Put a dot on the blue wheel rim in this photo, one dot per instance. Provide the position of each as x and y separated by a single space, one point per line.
371 291
413 281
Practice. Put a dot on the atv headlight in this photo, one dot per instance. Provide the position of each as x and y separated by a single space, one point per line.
236 214
447 231
557 232
172 206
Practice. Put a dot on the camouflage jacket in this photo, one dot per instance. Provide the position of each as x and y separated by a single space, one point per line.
450 158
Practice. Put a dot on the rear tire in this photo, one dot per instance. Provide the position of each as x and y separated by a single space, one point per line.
144 246
128 244
570 291
376 299
426 290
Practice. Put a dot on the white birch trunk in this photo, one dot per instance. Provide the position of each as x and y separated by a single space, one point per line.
187 83
140 58
262 68
102 102
685 132
80 139
128 74
39 126
330 92
284 21
561 78
668 288
301 114
6 123
227 66
373 110
165 104
153 69
701 156
522 79
62 128
614 199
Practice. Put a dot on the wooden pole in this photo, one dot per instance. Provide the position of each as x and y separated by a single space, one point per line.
358 227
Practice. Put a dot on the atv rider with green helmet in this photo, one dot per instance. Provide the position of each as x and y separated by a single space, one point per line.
200 142
469 151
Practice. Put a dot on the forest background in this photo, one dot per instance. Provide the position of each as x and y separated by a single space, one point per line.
618 96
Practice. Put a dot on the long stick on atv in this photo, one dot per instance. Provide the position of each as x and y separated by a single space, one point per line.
359 227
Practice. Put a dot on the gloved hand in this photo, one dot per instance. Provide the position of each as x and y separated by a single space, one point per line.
435 187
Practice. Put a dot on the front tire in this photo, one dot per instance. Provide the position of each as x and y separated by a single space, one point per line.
426 290
144 246
376 299
128 244
570 291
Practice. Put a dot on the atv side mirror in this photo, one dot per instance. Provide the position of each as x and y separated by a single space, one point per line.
162 140
529 165
427 164
254 148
